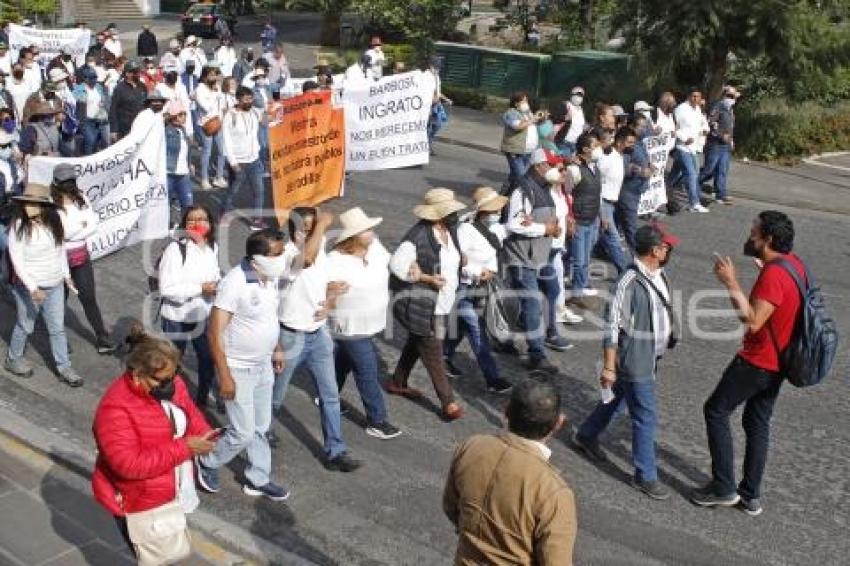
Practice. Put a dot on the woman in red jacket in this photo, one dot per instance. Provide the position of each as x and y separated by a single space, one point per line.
147 430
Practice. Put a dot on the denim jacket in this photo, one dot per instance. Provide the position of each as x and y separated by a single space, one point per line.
172 146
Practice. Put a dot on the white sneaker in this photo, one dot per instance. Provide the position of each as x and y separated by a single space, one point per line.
220 183
698 208
589 292
566 316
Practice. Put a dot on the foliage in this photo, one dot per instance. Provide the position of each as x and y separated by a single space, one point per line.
39 7
691 42
467 97
421 21
321 6
773 129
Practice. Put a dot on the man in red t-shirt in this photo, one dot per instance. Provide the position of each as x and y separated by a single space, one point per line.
770 316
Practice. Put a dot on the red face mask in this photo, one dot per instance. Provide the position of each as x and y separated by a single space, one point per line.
200 229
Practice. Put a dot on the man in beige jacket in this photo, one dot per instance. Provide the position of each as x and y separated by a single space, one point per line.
510 506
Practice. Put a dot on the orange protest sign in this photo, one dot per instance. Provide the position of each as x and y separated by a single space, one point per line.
307 151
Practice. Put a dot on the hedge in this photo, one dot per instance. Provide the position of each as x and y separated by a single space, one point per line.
775 130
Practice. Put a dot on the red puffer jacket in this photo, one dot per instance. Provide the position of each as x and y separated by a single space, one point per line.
137 452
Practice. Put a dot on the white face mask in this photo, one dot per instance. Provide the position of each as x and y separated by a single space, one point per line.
524 107
553 176
596 154
271 267
576 99
730 102
492 219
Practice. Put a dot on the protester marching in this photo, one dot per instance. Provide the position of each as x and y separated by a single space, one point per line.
100 150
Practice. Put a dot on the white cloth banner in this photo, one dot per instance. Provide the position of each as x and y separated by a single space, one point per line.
386 121
49 42
126 184
656 195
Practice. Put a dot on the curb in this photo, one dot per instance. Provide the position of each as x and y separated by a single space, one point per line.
469 145
79 460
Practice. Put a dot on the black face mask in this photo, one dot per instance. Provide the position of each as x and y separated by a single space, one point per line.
164 391
629 150
249 57
171 78
452 219
750 248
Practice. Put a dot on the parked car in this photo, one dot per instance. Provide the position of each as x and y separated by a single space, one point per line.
199 19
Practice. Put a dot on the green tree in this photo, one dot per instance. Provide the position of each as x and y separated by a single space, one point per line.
331 11
421 21
693 41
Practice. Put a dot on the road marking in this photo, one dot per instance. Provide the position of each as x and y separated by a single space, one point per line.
814 160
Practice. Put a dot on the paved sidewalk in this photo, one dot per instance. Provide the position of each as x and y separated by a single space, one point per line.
49 517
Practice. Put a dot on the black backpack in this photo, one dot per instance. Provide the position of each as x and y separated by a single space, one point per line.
809 356
153 280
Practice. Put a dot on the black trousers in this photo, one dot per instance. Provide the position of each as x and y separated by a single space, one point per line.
757 389
83 278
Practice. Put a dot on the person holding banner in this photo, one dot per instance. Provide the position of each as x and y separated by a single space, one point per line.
79 222
40 274
240 133
211 106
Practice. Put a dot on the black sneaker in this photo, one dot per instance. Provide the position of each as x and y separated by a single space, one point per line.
273 439
591 450
706 497
542 365
342 463
384 431
269 491
653 489
207 477
500 386
558 343
105 346
451 370
751 507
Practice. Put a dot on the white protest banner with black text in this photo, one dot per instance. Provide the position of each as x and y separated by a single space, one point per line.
50 41
126 184
386 121
656 195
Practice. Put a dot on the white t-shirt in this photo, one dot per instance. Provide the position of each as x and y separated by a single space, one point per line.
182 165
20 92
187 497
78 224
92 103
252 334
181 282
303 293
611 171
561 211
577 122
362 311
480 255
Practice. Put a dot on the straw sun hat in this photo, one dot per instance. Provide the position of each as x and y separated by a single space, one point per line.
438 204
355 222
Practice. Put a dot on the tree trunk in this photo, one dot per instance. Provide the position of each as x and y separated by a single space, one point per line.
587 26
716 75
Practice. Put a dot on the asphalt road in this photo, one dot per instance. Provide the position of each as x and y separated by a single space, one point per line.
389 511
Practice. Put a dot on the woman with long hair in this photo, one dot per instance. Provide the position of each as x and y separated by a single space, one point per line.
40 274
79 222
188 277
147 431
360 260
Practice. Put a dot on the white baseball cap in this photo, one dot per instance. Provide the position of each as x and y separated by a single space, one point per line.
642 106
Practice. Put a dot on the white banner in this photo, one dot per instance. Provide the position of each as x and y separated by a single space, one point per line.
126 184
386 121
656 195
49 42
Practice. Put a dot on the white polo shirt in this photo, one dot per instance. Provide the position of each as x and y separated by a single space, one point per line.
612 170
362 311
302 294
252 334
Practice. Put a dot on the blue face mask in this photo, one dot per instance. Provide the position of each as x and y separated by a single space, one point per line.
9 125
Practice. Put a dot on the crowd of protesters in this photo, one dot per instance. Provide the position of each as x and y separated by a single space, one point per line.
314 297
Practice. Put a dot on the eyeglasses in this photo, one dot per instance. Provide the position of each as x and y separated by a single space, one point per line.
5 145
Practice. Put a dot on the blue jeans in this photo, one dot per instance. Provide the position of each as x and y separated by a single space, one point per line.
263 134
252 173
180 188
627 216
470 324
360 356
518 164
639 397
53 310
249 415
206 154
580 248
316 349
609 238
180 334
547 280
717 160
524 279
686 168
95 136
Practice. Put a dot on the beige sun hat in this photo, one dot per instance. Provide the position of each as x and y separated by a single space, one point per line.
35 193
488 200
355 221
438 204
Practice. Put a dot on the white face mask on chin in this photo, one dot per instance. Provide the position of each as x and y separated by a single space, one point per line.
271 267
596 154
